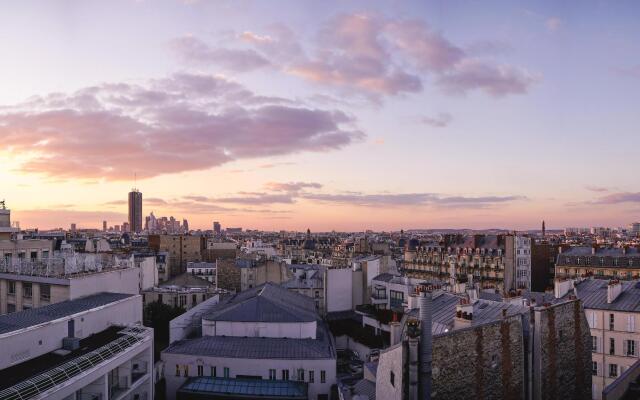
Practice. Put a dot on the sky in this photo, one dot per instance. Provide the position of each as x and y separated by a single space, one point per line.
333 115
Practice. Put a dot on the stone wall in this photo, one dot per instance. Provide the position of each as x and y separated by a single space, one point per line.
228 275
562 352
484 362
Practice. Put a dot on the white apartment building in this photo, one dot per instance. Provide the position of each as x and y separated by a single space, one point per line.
204 270
32 284
88 348
613 313
263 340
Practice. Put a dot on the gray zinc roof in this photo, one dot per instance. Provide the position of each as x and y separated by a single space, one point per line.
593 293
25 319
265 303
256 347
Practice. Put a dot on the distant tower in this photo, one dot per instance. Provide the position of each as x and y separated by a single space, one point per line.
544 230
216 227
104 226
135 210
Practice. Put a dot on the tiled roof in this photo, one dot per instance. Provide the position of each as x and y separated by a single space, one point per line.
24 319
266 303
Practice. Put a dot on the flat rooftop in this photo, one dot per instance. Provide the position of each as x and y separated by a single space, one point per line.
35 316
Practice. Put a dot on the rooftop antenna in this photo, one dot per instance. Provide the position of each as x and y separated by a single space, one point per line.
2 204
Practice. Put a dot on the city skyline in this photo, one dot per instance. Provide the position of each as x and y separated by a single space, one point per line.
345 116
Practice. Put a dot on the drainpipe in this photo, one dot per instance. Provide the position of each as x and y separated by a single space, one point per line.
425 342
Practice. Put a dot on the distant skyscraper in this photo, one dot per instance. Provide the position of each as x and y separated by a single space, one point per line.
73 227
135 210
544 229
185 225
216 227
104 226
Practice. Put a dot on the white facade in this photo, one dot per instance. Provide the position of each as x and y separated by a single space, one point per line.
117 367
204 270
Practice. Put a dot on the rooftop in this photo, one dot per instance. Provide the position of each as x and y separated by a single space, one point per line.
257 347
265 303
239 388
35 316
593 293
28 379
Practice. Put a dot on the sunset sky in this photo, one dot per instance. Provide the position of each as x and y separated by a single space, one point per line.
345 115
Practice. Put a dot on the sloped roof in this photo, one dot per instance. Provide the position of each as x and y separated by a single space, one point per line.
266 303
257 347
35 316
593 293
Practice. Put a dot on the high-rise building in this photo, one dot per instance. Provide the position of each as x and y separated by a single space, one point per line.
216 227
185 225
73 227
104 226
135 210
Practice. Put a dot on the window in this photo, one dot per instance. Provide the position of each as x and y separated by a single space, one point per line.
613 370
45 292
612 346
311 377
194 300
45 253
323 376
285 374
300 374
12 288
396 298
34 255
611 321
213 372
177 370
11 308
183 300
594 368
594 344
26 290
272 374
225 371
185 370
392 379
200 370
631 323
630 347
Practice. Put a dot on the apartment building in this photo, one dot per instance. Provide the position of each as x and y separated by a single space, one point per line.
64 277
501 262
264 340
13 252
204 270
88 348
600 262
308 280
613 314
256 270
185 291
455 346
181 248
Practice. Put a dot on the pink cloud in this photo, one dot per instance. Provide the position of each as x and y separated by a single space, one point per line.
191 49
182 123
372 56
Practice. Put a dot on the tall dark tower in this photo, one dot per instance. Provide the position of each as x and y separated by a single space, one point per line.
135 210
544 231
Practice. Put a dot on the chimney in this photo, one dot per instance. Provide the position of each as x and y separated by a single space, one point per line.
562 287
614 288
464 314
395 330
425 342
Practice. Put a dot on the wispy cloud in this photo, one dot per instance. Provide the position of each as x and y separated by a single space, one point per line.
412 199
437 121
596 188
292 186
553 23
618 198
